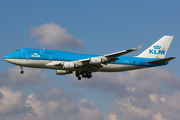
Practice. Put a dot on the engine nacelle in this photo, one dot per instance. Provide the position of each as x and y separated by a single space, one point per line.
63 72
95 61
70 65
98 60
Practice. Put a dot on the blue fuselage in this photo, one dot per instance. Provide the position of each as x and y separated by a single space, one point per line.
38 58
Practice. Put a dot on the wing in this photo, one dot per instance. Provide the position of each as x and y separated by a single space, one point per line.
94 63
113 56
116 54
54 63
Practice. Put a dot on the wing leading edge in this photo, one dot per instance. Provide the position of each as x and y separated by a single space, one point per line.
116 54
113 56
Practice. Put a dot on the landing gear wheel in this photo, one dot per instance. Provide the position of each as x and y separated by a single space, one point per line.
77 75
84 76
22 72
79 78
89 76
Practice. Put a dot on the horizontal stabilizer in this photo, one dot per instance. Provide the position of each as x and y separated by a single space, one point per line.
161 60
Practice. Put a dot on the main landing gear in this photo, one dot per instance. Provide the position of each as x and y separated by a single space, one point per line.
83 74
22 72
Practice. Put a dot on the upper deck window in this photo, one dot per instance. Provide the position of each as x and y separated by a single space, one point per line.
18 50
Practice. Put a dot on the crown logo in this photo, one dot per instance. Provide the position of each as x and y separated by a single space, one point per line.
157 47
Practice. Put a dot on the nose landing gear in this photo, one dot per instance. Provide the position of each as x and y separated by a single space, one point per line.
22 72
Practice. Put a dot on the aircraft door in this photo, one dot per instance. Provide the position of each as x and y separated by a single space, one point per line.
50 58
42 51
27 57
137 64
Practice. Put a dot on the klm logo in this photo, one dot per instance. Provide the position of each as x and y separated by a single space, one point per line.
35 55
157 50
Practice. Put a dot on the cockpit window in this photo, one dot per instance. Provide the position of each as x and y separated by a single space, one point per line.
18 50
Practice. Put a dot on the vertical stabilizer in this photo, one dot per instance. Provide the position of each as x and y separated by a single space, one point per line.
158 49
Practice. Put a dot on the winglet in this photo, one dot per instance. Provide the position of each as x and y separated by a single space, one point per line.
137 47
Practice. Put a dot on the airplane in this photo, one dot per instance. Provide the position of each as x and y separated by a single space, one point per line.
85 64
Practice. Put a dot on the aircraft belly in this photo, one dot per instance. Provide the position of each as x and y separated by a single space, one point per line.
42 64
29 63
117 68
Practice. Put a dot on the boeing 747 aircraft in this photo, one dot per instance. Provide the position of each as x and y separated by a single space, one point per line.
84 64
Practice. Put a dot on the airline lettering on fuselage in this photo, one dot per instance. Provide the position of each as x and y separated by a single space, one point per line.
157 50
35 55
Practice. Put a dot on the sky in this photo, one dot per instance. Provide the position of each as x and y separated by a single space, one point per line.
89 27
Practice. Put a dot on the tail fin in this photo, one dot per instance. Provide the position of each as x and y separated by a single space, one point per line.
158 49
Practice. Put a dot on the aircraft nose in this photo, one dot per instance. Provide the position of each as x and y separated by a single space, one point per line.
6 58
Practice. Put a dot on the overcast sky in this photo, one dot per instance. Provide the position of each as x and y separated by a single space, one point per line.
93 27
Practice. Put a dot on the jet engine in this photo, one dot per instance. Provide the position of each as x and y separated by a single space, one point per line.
98 60
63 72
70 65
